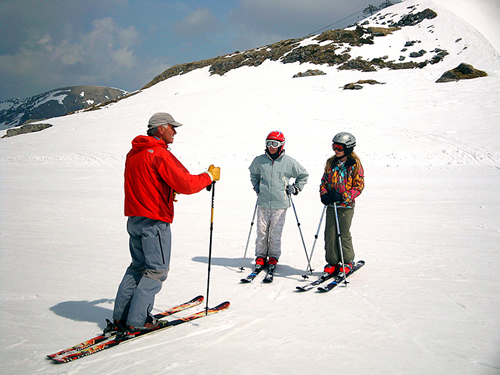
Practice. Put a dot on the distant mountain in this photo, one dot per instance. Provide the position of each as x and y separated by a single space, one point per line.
54 103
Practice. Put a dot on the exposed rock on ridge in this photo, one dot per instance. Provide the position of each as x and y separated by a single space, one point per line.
330 48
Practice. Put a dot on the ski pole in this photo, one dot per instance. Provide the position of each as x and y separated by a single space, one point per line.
210 245
248 239
300 231
314 244
340 241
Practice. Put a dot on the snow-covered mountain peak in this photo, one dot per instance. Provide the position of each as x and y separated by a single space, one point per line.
53 103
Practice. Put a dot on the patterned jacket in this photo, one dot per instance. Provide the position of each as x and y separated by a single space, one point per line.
340 178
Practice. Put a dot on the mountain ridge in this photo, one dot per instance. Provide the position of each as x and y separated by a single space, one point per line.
53 103
321 49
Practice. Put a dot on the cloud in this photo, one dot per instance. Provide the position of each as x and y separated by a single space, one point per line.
299 17
66 48
108 41
198 23
102 56
105 48
254 23
19 19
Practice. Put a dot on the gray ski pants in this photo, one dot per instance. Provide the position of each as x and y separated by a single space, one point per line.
270 225
150 248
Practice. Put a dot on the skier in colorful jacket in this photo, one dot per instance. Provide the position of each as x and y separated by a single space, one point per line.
153 175
341 184
270 175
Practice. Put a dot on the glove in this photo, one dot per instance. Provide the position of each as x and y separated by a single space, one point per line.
326 199
257 189
174 196
214 172
331 197
291 189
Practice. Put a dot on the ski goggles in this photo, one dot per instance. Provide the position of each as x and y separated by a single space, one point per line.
272 143
338 147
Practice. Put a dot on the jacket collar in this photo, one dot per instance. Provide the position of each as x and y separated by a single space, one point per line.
274 159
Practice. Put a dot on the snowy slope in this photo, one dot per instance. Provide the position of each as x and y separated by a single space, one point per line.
427 224
483 15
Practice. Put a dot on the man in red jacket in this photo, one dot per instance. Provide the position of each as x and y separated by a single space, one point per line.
152 177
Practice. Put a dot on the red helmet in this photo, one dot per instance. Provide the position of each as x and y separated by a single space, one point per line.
276 136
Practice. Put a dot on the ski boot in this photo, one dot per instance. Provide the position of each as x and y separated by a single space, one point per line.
260 262
330 270
346 268
113 327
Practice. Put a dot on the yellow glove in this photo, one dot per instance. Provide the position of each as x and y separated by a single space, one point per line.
215 172
174 196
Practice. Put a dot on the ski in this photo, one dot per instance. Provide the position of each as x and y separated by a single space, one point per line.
105 336
311 285
270 274
340 278
118 339
252 275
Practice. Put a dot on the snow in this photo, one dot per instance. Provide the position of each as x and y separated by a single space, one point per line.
58 96
6 105
483 15
427 224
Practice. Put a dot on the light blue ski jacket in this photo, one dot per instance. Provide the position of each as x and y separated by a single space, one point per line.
270 178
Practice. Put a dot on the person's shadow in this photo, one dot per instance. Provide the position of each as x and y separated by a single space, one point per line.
85 311
236 264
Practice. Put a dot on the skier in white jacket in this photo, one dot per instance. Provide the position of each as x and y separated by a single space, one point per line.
270 175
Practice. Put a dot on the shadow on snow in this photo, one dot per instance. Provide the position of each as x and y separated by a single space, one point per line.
234 264
85 311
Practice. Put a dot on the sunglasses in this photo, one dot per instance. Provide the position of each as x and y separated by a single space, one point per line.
338 147
275 144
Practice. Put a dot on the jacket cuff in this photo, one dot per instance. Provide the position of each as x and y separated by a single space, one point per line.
210 175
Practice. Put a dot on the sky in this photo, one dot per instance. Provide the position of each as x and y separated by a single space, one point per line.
124 44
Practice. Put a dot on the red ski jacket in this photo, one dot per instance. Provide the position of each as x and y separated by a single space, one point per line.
152 174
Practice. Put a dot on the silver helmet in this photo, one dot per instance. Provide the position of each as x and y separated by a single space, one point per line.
346 139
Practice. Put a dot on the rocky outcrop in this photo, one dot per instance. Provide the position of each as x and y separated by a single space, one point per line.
24 129
310 73
414 19
358 85
463 71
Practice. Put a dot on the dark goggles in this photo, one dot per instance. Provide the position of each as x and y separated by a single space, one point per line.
338 147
